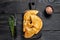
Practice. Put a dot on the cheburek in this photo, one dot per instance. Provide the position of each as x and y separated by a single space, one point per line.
32 24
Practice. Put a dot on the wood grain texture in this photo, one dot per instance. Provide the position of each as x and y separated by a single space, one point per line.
51 27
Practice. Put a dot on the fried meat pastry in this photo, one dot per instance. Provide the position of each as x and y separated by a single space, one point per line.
32 24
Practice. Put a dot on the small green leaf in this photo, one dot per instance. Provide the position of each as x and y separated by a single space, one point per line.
11 24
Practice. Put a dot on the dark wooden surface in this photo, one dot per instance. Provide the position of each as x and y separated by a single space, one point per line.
51 25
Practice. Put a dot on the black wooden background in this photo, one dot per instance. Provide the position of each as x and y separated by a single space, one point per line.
51 25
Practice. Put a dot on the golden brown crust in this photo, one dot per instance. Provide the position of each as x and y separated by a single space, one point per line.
32 24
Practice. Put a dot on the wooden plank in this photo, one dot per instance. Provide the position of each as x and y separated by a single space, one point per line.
50 23
5 33
51 35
